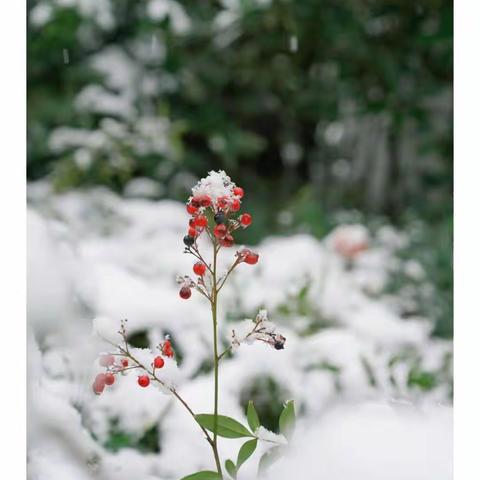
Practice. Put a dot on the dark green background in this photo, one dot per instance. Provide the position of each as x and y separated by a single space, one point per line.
357 117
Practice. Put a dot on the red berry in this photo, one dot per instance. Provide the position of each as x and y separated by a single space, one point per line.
205 201
185 293
98 388
109 378
201 221
144 381
220 231
195 202
222 202
228 241
107 360
199 268
124 362
235 205
192 232
158 362
238 191
99 383
246 219
167 349
191 209
251 258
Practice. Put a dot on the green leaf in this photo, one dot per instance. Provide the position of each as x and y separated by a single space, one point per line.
286 421
268 458
230 468
246 451
226 426
205 475
252 417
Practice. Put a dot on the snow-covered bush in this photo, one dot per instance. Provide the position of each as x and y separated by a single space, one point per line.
370 383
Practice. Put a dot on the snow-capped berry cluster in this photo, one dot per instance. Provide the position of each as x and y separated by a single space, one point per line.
123 361
213 209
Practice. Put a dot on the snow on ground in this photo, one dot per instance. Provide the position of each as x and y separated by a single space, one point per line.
372 388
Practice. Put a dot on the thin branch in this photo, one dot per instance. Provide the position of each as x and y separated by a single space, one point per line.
230 270
126 353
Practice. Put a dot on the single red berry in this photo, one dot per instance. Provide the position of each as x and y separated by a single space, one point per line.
167 349
124 362
238 191
98 388
185 293
195 202
158 362
222 202
251 258
144 381
99 383
227 241
199 268
205 201
201 221
192 232
246 219
109 378
235 205
220 231
191 209
107 360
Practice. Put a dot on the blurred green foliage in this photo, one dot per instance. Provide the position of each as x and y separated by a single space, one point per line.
148 442
312 106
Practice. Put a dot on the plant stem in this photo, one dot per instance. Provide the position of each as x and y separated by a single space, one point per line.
215 360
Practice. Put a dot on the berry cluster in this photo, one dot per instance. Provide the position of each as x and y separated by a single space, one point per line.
213 209
125 362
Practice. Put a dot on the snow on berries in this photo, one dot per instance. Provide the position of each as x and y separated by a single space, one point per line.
247 256
217 197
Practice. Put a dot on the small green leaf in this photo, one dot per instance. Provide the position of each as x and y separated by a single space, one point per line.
286 421
246 451
226 426
205 475
252 417
230 468
268 458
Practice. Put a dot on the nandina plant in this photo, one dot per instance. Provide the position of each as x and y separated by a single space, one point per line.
214 210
